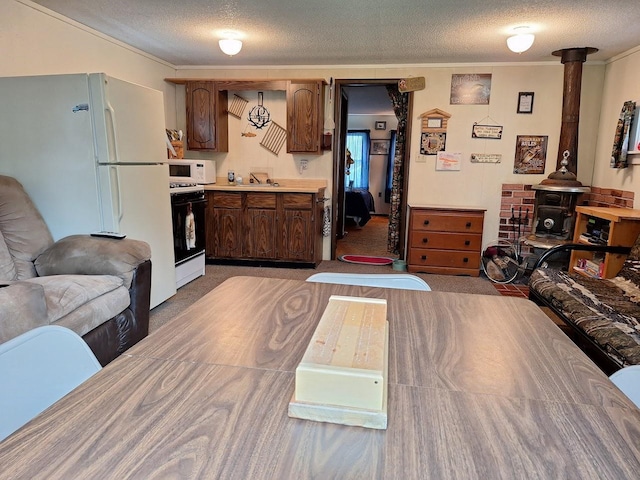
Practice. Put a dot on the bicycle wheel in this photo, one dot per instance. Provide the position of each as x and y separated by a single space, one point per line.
500 262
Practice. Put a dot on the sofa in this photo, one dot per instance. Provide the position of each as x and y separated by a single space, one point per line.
603 315
98 287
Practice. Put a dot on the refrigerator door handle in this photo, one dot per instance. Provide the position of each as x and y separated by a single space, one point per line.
112 126
118 193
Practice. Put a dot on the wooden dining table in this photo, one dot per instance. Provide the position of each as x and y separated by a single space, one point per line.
479 386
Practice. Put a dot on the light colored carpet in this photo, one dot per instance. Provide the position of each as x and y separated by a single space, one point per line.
216 274
368 240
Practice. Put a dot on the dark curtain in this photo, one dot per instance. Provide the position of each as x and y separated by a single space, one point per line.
621 138
400 107
390 163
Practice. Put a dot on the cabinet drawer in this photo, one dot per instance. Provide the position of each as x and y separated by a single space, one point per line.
261 200
297 200
444 258
447 221
227 200
446 241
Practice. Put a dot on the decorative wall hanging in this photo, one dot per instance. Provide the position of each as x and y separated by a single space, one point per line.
621 137
486 158
432 143
531 154
435 121
486 131
525 102
448 161
380 147
434 131
274 138
237 106
259 116
470 89
247 133
411 84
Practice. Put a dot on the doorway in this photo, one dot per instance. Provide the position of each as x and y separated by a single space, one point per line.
365 108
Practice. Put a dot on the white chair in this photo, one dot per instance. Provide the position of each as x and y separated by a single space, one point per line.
627 379
403 281
37 369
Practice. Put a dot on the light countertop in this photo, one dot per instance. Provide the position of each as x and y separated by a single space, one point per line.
284 185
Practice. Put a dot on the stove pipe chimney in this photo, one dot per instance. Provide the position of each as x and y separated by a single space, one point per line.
567 162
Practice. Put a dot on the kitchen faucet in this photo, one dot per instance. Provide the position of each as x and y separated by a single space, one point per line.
255 178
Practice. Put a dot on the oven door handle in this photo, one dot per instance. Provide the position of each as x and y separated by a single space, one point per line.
187 202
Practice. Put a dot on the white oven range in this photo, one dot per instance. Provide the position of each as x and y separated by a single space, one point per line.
188 203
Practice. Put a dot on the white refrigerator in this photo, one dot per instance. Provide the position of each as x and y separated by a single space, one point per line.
90 150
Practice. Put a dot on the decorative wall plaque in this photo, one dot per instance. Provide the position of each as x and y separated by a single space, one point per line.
470 89
486 131
531 154
432 143
435 121
486 158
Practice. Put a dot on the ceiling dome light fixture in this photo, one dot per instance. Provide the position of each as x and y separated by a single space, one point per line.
230 44
521 41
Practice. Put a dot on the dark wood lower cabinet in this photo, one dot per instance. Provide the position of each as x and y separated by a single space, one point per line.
278 227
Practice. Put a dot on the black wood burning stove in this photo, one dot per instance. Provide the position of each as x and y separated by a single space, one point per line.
555 205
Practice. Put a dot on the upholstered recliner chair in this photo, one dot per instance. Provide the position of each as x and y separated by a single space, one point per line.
97 287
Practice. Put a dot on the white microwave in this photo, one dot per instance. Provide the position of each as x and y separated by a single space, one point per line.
192 171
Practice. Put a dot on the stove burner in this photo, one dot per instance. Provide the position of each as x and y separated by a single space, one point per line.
182 184
177 188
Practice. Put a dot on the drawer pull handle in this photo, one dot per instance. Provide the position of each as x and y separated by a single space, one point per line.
467 243
465 260
425 240
423 257
426 222
468 224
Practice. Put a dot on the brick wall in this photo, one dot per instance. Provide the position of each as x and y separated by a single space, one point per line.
517 199
608 197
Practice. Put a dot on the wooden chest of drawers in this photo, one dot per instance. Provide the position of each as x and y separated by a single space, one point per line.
445 240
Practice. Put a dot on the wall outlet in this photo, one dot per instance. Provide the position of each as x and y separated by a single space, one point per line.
304 164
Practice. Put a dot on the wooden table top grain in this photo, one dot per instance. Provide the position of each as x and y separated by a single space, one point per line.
479 387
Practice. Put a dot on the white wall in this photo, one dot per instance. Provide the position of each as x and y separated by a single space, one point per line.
622 83
37 41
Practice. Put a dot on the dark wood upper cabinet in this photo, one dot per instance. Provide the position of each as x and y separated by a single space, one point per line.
207 124
305 116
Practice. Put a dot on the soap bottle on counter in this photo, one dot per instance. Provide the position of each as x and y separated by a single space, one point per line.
231 177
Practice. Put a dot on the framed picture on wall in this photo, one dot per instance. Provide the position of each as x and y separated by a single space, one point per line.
380 147
525 102
381 125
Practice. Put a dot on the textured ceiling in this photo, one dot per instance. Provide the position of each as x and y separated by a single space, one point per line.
358 32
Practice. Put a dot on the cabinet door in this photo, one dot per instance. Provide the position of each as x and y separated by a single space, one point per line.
297 241
261 235
224 225
304 117
228 233
207 127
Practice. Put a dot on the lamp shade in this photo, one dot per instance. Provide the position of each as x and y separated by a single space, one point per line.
230 46
521 42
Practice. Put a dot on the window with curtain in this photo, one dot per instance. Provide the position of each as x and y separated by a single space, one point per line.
358 145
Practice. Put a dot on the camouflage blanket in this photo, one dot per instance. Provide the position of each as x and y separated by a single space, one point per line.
608 311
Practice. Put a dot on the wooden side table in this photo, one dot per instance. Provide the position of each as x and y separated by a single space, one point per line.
623 229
